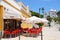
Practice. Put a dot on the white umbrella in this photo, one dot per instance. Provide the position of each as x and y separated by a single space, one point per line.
35 20
44 20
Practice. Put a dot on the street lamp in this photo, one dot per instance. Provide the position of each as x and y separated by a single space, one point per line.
41 30
39 10
43 11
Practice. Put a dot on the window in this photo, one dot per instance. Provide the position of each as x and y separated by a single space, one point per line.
11 24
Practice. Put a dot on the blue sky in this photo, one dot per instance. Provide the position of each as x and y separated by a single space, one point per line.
34 5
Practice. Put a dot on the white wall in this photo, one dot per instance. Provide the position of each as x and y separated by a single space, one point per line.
13 2
10 8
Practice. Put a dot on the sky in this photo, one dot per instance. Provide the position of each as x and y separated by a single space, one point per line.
34 5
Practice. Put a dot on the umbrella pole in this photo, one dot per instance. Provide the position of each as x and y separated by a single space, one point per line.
0 38
0 35
19 37
41 35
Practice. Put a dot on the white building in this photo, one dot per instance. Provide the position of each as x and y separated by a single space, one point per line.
45 14
51 13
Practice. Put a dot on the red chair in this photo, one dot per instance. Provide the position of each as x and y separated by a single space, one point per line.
14 33
29 31
39 29
33 32
6 33
18 31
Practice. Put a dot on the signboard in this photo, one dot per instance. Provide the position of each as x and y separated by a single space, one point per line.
12 17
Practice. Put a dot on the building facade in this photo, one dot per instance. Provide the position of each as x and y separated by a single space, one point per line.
52 13
14 11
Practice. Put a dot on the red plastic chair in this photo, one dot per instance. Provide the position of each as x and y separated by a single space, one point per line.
32 31
35 30
14 33
19 31
39 29
29 31
7 33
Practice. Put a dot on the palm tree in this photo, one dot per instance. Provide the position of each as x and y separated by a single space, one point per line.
43 10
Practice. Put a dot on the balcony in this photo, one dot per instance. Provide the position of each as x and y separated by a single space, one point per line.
24 8
15 6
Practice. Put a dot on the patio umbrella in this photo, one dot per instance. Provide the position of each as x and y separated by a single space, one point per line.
44 20
35 19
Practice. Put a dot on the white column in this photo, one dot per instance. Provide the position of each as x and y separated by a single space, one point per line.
27 9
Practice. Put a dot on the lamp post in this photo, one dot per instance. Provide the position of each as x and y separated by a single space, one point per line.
41 30
43 11
39 11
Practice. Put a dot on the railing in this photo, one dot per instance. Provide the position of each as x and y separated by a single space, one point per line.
25 8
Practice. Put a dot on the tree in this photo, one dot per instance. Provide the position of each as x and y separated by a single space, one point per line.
40 24
58 13
55 19
37 15
49 19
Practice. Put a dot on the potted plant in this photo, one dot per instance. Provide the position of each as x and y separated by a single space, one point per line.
49 19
